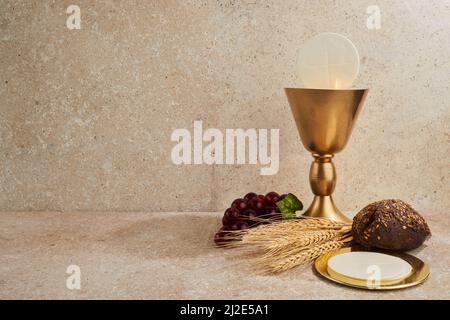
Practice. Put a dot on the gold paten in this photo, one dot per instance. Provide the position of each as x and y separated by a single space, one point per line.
325 119
420 271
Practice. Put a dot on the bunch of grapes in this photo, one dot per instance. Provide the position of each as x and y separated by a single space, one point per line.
248 212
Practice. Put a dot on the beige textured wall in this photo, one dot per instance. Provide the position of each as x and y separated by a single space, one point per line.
86 115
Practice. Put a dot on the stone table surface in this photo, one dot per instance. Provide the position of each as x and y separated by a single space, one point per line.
167 256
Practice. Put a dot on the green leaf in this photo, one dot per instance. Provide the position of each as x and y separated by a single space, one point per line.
289 205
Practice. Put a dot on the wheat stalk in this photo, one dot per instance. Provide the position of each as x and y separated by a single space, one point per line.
283 245
304 256
292 226
287 245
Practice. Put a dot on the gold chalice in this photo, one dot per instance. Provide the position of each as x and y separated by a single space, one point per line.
325 119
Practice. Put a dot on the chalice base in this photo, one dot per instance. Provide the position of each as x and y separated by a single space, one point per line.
324 207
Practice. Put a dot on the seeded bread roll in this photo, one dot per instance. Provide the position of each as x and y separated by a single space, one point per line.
390 224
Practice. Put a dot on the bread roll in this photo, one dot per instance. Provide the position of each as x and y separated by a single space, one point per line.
390 224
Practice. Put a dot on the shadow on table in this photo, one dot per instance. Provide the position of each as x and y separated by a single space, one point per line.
179 235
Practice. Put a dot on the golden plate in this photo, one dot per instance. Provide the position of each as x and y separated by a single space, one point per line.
419 274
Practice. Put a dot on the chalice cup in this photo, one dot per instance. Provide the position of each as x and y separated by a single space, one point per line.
325 119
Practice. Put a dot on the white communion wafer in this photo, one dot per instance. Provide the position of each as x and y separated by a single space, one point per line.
363 265
328 61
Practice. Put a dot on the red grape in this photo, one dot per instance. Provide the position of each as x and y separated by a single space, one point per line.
243 225
249 196
239 204
261 197
234 226
266 212
225 221
272 197
231 214
251 215
240 225
273 210
257 203
262 211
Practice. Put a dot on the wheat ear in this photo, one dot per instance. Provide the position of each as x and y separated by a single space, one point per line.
280 229
304 256
294 244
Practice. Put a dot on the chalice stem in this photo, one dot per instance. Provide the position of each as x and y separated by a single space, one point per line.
322 178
